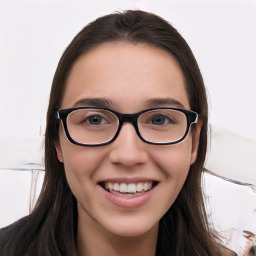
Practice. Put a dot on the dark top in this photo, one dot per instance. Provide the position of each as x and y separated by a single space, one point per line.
7 234
3 238
13 231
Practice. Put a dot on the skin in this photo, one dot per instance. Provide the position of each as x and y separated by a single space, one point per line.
129 76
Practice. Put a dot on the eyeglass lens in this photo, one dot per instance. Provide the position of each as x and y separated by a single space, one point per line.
95 126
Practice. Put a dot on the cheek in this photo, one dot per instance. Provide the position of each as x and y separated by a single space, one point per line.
80 164
174 160
174 163
76 158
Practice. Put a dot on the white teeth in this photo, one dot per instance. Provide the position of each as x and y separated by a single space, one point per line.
145 186
116 187
140 187
123 188
128 188
131 188
110 186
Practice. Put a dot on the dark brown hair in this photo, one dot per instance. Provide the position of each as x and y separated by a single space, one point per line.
51 228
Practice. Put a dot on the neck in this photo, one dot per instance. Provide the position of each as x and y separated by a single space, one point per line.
94 240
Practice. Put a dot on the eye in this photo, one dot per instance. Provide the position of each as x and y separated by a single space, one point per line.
95 120
160 119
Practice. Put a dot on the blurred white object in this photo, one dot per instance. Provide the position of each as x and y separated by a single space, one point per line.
231 209
230 189
18 192
21 153
232 156
231 205
21 158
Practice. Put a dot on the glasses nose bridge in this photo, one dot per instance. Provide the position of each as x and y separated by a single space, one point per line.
129 118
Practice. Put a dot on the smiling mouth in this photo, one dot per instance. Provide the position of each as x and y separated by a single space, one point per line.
128 189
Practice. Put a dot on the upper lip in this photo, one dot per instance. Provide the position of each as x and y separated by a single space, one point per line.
128 179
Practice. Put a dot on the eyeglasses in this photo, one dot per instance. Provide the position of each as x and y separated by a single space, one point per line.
94 126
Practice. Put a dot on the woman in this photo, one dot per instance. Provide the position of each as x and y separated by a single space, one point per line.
125 145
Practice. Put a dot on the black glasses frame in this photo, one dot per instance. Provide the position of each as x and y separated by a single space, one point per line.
192 117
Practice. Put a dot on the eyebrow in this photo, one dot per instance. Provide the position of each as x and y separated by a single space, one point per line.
95 102
107 103
155 102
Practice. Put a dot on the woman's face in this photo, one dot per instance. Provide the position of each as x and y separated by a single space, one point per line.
126 78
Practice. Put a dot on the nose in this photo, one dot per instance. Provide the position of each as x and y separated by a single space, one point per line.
128 149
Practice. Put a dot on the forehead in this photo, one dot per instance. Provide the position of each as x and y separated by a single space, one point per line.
126 74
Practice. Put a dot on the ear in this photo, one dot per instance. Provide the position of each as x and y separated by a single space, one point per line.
195 140
58 151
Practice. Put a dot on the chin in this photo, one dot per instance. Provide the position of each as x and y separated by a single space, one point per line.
132 230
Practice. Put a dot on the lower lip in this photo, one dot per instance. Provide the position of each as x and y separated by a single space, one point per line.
128 202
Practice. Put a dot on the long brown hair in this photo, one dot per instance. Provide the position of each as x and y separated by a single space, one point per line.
51 228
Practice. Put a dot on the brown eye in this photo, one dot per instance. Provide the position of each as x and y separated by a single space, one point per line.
160 119
95 120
